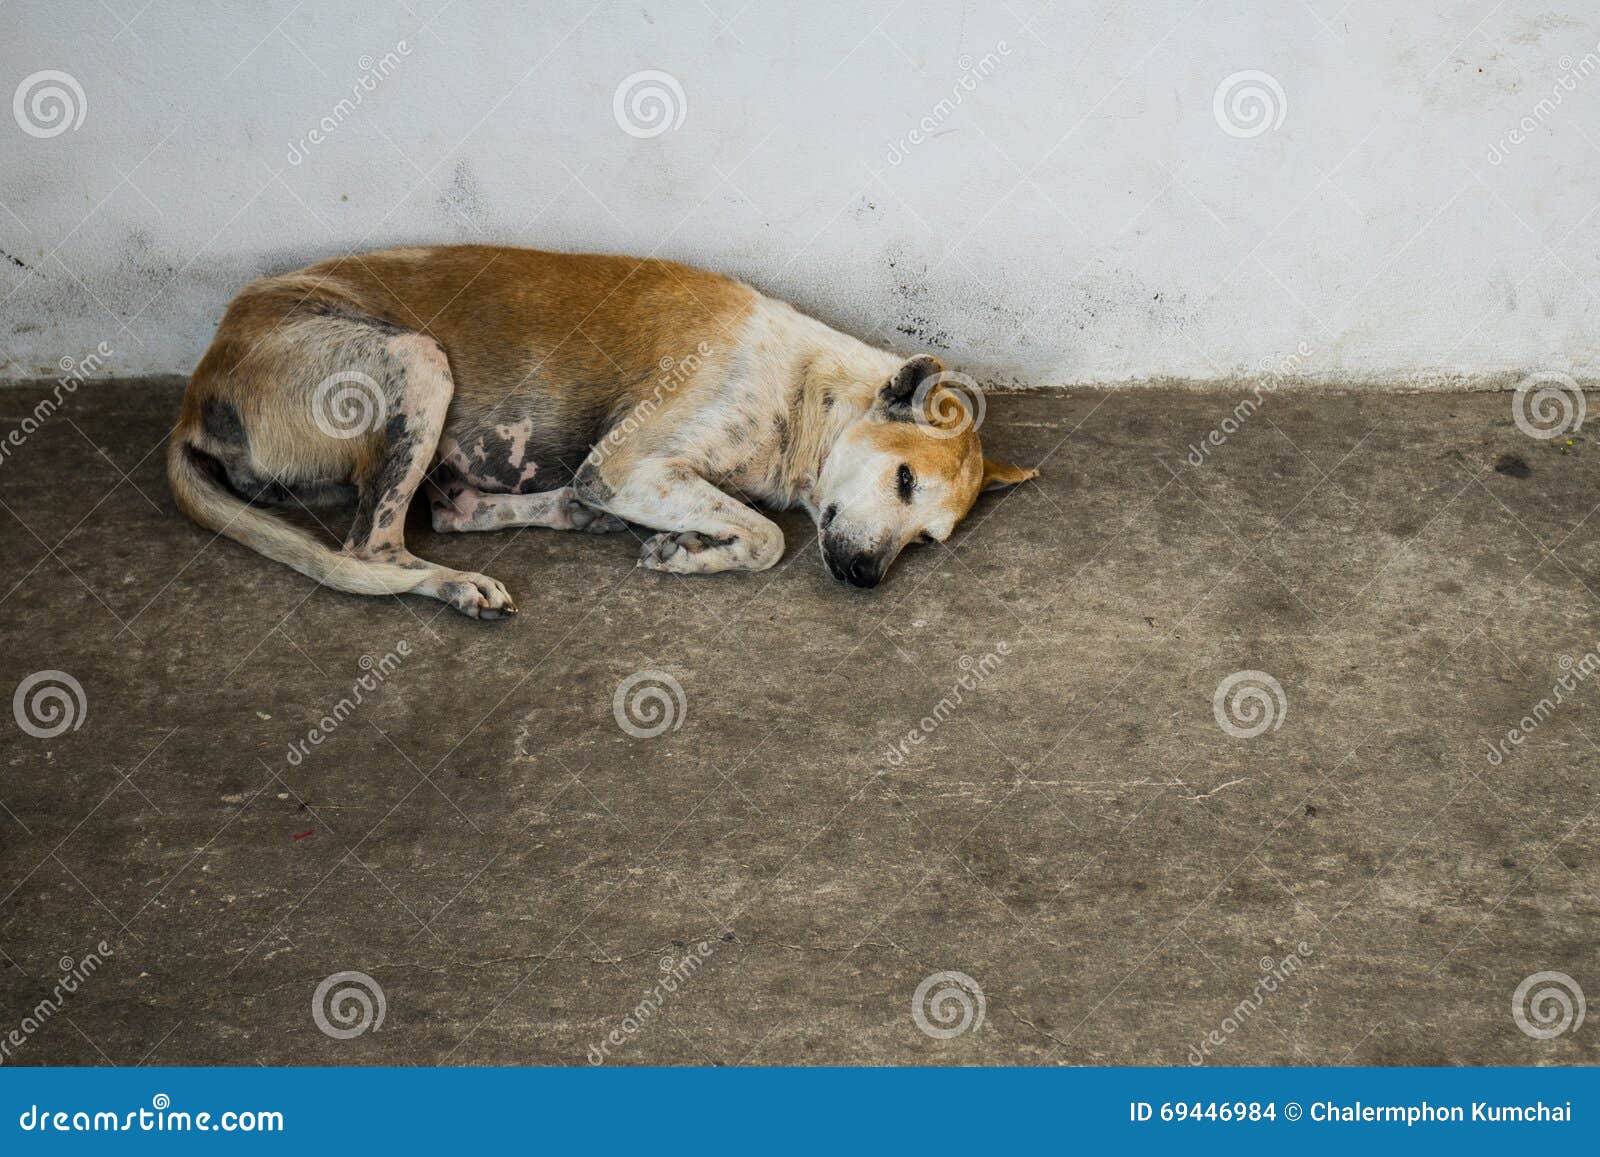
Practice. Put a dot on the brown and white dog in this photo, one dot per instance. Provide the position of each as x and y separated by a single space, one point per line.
572 391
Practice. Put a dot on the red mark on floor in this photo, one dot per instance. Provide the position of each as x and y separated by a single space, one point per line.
303 835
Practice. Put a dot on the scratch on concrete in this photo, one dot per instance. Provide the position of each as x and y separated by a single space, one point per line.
1213 791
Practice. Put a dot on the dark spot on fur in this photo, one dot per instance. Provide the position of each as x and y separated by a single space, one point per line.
898 392
313 495
380 496
741 427
221 422
590 488
497 467
263 490
789 424
445 483
361 529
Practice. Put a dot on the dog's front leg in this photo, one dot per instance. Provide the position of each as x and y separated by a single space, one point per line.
703 529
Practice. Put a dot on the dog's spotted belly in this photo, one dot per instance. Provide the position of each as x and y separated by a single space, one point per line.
506 457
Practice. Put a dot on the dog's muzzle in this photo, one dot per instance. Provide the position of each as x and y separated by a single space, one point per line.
859 568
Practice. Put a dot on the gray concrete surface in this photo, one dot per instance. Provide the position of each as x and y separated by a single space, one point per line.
1078 835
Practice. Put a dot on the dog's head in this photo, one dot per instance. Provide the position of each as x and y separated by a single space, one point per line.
907 470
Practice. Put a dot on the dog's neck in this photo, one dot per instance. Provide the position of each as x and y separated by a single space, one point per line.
834 386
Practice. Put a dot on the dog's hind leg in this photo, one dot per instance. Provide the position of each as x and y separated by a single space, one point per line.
458 505
416 397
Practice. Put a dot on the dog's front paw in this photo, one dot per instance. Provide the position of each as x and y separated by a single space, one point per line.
679 551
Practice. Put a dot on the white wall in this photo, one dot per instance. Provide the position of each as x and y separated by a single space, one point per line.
1079 215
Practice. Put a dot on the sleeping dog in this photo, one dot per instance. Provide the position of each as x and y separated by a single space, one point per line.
578 392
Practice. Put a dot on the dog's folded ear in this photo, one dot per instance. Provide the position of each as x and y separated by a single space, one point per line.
998 474
899 390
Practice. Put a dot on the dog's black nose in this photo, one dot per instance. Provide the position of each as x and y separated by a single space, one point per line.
863 571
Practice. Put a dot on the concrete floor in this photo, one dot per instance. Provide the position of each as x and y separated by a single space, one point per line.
1078 835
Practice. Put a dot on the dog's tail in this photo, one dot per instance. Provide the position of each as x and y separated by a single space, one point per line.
197 485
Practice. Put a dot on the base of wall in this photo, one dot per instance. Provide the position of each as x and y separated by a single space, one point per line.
1396 382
